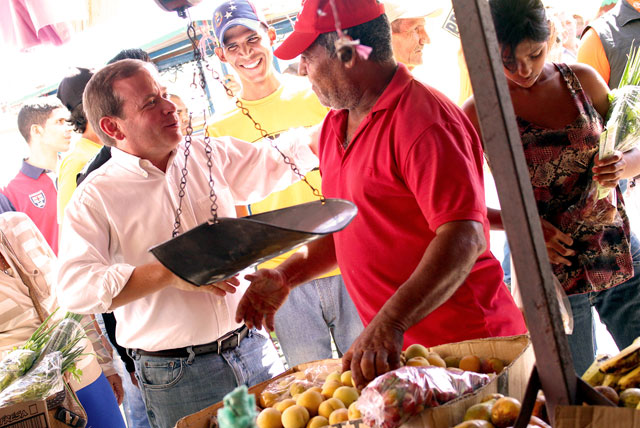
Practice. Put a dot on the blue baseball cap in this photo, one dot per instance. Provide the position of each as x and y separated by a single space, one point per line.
235 12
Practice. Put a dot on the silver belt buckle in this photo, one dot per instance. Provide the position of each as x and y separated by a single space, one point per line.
222 339
230 334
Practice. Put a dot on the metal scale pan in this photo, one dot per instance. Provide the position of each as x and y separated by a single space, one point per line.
212 252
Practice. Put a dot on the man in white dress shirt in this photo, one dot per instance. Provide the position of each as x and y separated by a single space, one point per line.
171 328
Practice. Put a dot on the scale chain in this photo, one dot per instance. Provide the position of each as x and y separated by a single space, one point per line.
197 56
265 134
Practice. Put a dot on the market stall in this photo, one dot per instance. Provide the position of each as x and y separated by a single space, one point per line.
484 371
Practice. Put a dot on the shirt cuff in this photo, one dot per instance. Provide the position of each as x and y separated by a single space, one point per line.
116 277
295 144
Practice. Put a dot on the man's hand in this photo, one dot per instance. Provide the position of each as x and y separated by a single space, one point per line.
116 385
266 293
218 288
607 172
375 351
558 243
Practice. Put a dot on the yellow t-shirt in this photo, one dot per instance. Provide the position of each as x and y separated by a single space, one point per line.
293 105
70 166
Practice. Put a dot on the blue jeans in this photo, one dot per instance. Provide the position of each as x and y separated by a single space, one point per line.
176 387
313 313
133 405
619 310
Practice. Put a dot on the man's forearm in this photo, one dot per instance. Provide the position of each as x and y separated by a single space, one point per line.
144 280
309 262
444 266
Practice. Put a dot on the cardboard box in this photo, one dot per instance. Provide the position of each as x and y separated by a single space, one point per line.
32 414
512 381
596 417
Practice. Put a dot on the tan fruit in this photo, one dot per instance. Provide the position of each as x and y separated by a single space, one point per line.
630 397
416 350
435 360
353 412
281 405
332 376
418 362
477 423
298 387
346 394
609 393
315 388
338 415
328 406
346 379
479 411
452 361
496 365
470 363
310 400
318 422
330 387
495 396
268 399
505 412
269 418
295 417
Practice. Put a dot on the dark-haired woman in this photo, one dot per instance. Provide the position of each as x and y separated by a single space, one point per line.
559 110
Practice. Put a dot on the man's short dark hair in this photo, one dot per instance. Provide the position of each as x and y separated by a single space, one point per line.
78 120
135 53
376 34
36 112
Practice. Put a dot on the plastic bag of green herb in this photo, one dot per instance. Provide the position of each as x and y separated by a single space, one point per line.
598 204
65 337
43 380
17 362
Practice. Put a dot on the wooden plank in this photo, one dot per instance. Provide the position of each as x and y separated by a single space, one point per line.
519 211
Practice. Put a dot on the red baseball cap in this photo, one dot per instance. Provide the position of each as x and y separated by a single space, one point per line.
316 17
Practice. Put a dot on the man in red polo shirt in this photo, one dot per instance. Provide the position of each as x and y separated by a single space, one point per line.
42 123
416 259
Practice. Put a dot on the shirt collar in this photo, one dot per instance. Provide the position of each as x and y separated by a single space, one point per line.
32 171
627 13
389 97
136 164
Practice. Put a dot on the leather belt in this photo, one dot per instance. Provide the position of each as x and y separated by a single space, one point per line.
225 343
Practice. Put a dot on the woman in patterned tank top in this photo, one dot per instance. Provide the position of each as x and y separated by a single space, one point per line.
559 110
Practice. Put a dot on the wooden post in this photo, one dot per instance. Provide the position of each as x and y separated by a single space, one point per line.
519 211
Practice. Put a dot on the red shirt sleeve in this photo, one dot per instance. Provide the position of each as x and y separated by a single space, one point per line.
443 169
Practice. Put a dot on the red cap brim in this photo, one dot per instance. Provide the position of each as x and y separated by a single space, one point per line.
295 44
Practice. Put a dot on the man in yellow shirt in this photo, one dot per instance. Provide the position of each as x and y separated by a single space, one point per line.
70 93
320 308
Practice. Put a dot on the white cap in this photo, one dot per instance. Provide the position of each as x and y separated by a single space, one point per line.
407 9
